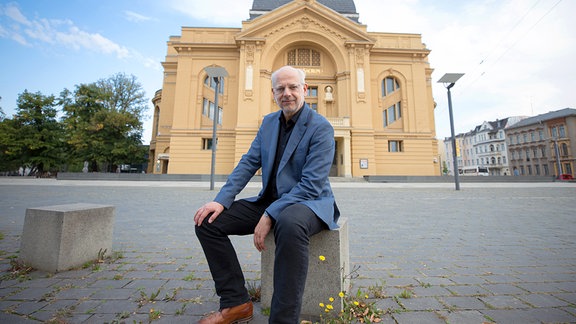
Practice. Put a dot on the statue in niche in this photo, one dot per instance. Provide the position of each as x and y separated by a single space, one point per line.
328 94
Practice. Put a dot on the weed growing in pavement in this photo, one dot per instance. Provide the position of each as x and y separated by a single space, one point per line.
355 307
254 291
18 270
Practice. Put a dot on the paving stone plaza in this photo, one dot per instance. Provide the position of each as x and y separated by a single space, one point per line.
491 252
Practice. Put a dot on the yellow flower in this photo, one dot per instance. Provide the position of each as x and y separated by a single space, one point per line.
366 296
322 258
356 303
331 299
327 310
321 305
329 307
341 294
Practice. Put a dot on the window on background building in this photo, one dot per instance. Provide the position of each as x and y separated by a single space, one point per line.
532 137
537 169
517 139
541 135
389 86
564 149
304 57
567 168
395 146
504 159
522 170
392 114
543 151
527 154
545 169
561 131
525 137
313 106
529 167
534 152
554 132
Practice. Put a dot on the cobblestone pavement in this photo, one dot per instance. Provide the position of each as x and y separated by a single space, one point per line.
503 253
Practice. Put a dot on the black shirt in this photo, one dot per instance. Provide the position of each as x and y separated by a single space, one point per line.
285 131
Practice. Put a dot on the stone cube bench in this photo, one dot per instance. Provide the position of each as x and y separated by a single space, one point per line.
62 237
325 278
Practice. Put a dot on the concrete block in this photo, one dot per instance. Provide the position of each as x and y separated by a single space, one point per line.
62 237
325 278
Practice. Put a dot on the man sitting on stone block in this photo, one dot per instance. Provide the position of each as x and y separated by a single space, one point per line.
295 148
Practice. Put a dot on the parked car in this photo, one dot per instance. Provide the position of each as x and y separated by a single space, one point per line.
566 177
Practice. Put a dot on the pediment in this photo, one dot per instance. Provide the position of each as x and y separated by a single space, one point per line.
304 15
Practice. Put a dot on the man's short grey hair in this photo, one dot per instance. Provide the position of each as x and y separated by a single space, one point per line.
300 72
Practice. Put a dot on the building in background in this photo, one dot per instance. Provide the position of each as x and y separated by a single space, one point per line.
373 87
543 145
483 150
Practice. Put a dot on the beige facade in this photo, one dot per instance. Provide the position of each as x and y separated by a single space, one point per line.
375 89
544 145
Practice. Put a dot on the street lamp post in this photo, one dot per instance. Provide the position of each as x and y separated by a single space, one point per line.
217 73
449 79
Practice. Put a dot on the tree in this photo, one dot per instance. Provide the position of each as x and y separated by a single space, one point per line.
33 137
103 120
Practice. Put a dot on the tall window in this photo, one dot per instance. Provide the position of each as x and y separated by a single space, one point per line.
564 149
303 57
392 114
389 85
312 97
208 109
561 131
209 82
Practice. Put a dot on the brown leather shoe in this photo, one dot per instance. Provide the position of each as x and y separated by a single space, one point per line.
240 314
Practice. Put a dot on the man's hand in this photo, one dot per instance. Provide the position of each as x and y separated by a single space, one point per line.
260 232
212 207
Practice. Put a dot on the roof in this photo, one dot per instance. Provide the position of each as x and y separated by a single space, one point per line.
344 7
545 117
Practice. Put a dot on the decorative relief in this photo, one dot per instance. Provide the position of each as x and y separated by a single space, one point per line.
360 55
307 23
250 49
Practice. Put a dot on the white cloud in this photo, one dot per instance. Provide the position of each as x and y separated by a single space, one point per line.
58 32
136 17
13 12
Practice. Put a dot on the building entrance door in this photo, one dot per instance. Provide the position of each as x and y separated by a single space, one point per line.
334 168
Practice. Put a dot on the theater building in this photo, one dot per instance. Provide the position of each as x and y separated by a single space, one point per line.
373 87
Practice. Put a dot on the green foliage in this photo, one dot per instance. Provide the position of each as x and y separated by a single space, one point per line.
101 123
33 137
103 120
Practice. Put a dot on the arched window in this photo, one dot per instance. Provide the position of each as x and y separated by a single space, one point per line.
303 57
389 86
209 82
208 109
391 100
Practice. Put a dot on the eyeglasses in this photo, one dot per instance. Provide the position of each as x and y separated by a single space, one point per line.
291 88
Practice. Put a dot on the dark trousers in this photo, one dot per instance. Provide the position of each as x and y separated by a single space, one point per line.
292 231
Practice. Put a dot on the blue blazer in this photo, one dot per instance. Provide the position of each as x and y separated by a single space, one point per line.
303 170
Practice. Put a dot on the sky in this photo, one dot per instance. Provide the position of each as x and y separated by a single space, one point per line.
517 56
